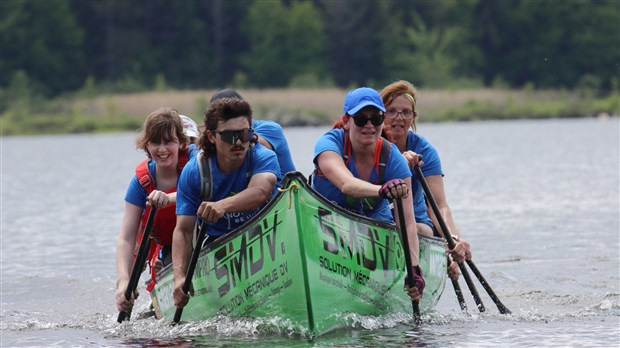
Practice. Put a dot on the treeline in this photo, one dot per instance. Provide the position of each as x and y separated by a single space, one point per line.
55 47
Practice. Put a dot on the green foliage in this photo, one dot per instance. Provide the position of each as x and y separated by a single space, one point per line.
287 41
86 48
551 43
266 27
44 39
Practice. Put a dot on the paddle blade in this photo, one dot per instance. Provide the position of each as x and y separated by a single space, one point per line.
417 320
177 316
122 316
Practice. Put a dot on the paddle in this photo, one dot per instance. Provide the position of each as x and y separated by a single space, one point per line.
459 294
408 265
448 237
442 230
202 234
139 263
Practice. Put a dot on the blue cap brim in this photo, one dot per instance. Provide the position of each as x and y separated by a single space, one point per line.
364 104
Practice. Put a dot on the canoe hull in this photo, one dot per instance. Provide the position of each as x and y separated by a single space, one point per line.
306 261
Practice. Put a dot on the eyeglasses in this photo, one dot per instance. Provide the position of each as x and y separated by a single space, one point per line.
360 120
231 136
393 113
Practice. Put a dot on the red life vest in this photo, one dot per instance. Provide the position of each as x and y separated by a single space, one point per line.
165 219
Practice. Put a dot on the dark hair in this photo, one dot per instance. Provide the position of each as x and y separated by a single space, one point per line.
161 124
225 93
223 110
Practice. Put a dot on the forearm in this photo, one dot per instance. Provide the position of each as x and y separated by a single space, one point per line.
357 188
181 250
246 200
126 242
124 260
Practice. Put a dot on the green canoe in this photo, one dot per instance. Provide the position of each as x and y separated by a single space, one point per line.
308 262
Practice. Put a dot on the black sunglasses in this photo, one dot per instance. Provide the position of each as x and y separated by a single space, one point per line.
231 136
361 121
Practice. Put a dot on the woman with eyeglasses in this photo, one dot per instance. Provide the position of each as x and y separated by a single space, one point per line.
353 169
400 123
243 176
154 184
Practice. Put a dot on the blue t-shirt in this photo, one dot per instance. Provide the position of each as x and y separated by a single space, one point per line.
376 208
273 133
136 194
432 166
224 185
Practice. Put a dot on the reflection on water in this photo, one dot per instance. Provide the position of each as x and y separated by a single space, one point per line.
538 201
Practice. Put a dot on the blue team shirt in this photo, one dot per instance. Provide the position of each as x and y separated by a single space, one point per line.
376 208
136 194
224 185
432 166
273 133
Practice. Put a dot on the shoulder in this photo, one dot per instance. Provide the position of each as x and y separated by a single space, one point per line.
193 150
333 135
270 130
420 144
332 140
266 125
264 159
143 167
259 151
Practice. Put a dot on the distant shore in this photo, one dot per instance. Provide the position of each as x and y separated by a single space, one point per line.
298 107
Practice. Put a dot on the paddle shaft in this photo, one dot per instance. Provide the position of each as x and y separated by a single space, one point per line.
459 294
448 236
445 233
407 252
139 263
202 234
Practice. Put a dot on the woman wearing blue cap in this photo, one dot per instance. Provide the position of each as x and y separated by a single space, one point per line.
356 168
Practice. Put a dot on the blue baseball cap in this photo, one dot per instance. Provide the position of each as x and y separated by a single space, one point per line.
359 98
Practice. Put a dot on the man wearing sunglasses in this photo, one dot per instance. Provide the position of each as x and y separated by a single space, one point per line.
270 134
243 179
348 172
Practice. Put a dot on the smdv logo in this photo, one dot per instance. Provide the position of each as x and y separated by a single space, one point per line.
371 248
243 257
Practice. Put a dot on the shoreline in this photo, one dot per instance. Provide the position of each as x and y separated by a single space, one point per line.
297 108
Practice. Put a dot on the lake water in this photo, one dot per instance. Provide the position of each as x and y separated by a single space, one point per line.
537 200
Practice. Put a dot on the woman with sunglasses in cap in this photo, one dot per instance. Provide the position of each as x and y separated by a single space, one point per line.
243 178
349 173
400 123
154 185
